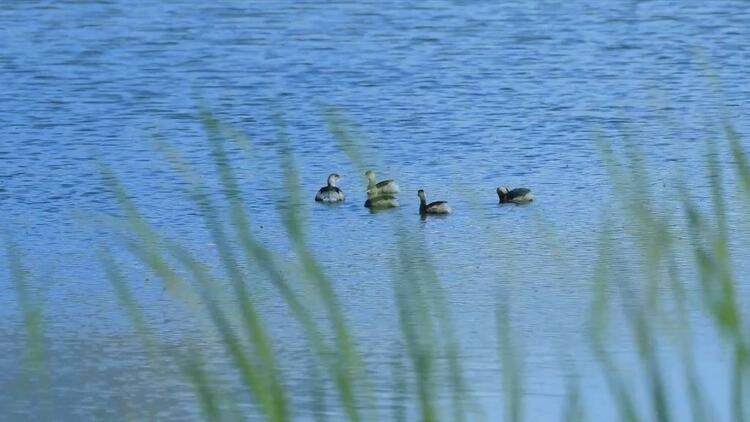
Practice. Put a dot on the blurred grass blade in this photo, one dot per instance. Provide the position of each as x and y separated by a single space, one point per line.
350 366
254 251
194 369
573 411
341 128
511 364
148 245
398 407
438 303
129 304
741 162
31 311
148 252
416 327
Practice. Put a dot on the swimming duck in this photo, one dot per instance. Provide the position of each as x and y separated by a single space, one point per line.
516 196
380 202
437 207
377 188
330 193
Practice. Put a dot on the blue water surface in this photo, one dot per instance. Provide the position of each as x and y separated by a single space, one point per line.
455 98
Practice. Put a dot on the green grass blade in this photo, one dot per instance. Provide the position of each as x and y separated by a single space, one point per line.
416 326
741 162
512 366
148 252
128 303
31 311
194 370
350 362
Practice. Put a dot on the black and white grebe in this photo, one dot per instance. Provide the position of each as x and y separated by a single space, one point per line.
437 207
375 188
516 196
330 193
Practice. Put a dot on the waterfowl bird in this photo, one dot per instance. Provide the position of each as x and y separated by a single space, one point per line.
380 202
516 196
437 207
377 188
330 193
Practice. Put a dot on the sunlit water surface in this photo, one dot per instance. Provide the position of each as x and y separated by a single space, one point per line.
455 98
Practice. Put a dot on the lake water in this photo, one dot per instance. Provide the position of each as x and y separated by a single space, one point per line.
455 98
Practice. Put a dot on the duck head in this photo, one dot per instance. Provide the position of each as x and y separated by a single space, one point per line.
333 178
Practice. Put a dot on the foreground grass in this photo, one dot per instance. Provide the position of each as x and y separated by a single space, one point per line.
652 297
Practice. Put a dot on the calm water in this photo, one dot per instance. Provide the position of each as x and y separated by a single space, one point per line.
452 97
